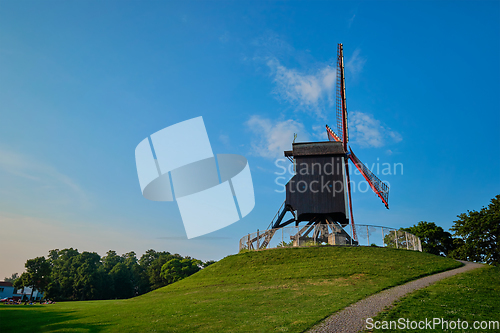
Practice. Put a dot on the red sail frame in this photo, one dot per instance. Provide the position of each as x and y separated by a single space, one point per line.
331 135
378 186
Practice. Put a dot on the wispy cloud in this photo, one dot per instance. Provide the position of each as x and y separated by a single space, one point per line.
319 133
355 63
311 92
271 138
351 20
225 140
366 131
40 174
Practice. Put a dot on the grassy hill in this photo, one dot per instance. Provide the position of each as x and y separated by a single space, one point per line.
280 290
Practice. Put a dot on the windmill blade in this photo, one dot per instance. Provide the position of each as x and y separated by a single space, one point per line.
331 134
340 98
379 187
338 95
354 236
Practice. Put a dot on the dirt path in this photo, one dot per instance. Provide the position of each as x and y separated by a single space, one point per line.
352 319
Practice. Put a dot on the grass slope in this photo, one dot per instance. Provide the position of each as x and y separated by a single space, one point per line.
280 290
471 296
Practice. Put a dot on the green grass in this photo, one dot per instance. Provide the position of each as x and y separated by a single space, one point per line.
471 296
280 290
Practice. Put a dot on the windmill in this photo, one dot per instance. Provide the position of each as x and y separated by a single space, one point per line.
324 208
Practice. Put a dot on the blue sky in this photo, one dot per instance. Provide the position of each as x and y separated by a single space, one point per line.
83 82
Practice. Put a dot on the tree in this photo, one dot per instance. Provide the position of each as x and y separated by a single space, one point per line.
21 281
76 276
12 279
122 281
127 278
148 257
138 276
110 260
154 270
480 232
37 275
53 256
433 238
176 269
61 285
88 281
208 263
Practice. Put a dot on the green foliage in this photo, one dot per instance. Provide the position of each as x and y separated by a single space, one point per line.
12 278
148 257
154 270
480 234
63 274
433 238
70 275
22 281
138 274
285 244
276 290
175 269
87 283
469 296
208 263
37 275
121 279
395 239
110 260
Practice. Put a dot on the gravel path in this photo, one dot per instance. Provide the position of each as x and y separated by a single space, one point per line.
352 319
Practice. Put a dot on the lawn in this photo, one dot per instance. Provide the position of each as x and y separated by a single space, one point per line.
471 296
279 290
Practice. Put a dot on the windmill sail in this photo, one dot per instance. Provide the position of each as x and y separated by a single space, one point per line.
340 98
342 131
379 187
331 135
354 236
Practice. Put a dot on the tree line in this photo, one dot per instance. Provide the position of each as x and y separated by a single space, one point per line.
70 275
476 235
